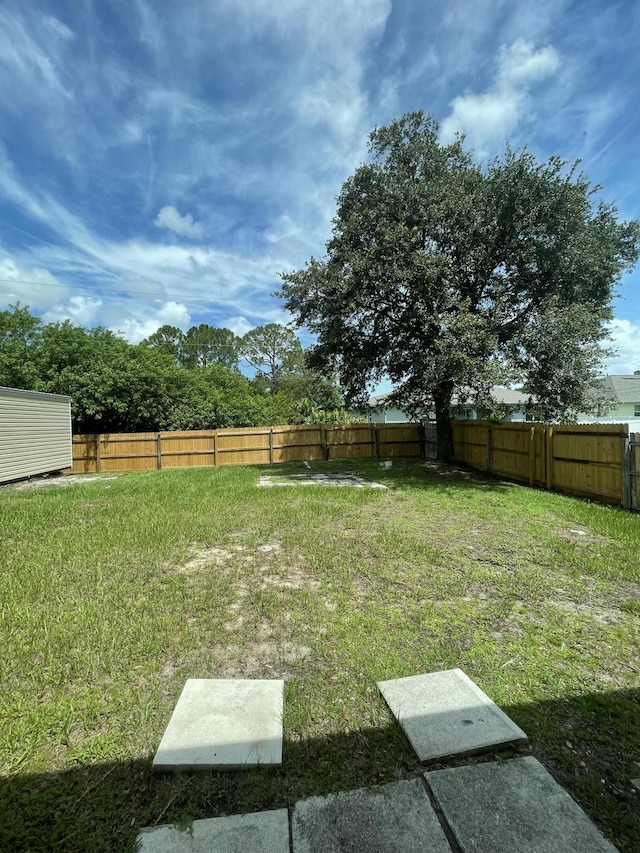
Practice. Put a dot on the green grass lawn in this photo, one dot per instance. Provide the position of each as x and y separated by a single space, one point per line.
115 591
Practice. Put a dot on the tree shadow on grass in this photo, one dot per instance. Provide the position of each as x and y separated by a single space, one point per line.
588 742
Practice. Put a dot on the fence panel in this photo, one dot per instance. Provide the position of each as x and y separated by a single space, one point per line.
399 440
588 460
470 442
510 450
584 460
124 452
351 442
186 449
298 443
243 446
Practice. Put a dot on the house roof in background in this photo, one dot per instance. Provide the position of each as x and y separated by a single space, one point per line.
505 396
626 388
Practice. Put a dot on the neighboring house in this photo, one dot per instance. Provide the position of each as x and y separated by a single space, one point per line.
512 403
624 391
625 408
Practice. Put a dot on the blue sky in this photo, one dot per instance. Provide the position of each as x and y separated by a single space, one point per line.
162 161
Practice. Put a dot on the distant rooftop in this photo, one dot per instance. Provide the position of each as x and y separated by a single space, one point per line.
506 396
624 387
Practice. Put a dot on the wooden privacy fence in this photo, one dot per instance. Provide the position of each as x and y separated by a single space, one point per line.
246 446
598 461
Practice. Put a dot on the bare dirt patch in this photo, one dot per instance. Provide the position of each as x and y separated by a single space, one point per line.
607 615
58 480
204 558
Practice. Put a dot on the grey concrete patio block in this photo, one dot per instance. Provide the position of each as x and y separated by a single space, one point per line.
261 832
223 724
513 806
396 817
445 713
636 784
343 480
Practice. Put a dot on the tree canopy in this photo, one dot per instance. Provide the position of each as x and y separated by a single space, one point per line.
173 380
273 351
199 346
445 276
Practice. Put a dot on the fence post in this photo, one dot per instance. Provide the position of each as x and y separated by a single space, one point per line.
549 458
626 472
376 446
270 447
215 448
487 460
159 450
532 456
634 471
98 439
325 445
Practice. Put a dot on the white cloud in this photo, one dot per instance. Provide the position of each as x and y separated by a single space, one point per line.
135 329
238 325
521 64
81 310
493 115
625 336
32 286
168 217
483 117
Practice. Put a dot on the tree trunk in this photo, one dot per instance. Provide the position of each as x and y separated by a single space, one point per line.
442 401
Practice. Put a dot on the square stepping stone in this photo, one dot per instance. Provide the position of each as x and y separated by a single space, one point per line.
261 832
636 784
225 723
396 817
513 806
445 713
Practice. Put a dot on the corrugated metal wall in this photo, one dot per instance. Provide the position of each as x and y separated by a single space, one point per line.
35 433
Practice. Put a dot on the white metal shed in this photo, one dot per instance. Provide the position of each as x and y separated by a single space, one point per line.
35 433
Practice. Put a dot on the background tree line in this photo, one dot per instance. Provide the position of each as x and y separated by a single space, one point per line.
172 380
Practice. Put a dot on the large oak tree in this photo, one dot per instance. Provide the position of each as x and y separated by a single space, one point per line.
448 277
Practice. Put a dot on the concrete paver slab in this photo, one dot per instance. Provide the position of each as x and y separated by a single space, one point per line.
636 784
344 480
261 832
395 817
223 724
445 713
513 806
